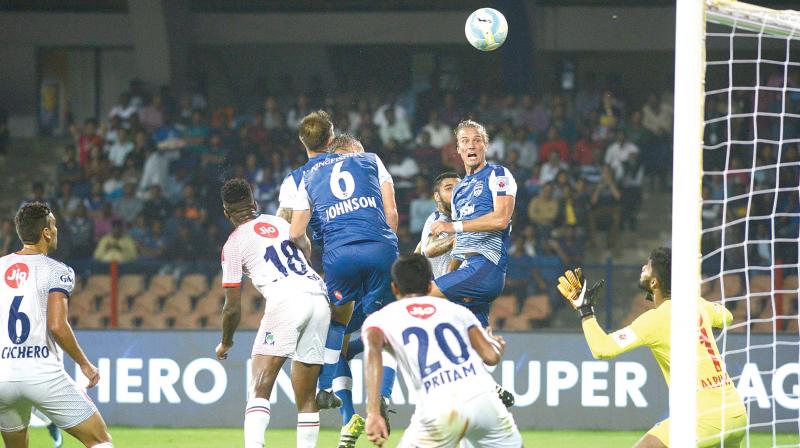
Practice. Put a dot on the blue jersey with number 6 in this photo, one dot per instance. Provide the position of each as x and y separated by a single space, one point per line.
343 191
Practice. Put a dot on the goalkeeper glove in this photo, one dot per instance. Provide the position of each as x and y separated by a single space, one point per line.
572 286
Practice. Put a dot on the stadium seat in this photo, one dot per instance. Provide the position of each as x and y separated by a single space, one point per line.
179 303
251 321
82 301
792 327
537 307
211 303
99 284
733 288
91 321
162 285
146 303
517 323
194 285
504 307
130 285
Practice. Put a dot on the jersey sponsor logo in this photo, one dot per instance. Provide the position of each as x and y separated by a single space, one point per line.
466 210
502 183
478 189
624 337
337 294
422 311
266 230
66 279
16 275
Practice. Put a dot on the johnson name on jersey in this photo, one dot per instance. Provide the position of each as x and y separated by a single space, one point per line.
27 351
344 192
261 249
474 197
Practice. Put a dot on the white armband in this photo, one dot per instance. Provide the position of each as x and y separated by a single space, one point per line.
458 226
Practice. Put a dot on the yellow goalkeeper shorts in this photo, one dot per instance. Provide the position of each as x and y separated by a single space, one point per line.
709 431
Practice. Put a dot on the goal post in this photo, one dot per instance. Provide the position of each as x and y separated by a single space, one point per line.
737 132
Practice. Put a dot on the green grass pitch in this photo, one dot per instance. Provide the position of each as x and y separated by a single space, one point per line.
227 437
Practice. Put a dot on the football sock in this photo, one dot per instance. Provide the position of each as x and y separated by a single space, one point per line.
343 388
256 420
354 348
307 429
333 347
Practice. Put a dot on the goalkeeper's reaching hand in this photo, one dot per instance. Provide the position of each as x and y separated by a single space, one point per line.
572 286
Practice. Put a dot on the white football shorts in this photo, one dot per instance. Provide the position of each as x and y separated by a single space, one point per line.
295 325
481 421
59 398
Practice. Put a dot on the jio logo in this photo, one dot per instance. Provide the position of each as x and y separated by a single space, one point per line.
266 230
16 275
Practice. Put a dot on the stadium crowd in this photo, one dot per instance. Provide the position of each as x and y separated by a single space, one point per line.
140 186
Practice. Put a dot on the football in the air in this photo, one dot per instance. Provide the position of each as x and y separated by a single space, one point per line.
486 29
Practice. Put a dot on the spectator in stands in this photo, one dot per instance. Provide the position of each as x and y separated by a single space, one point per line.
420 207
562 185
401 166
496 150
37 194
196 138
69 169
193 209
551 169
520 272
97 167
152 115
116 246
606 208
393 128
580 199
66 203
86 138
154 244
9 242
532 115
564 124
300 109
427 155
631 185
569 244
128 207
265 190
608 115
124 109
533 182
273 119
618 152
525 147
103 221
543 210
212 161
94 202
156 167
155 208
656 118
440 134
184 249
554 143
450 113
120 149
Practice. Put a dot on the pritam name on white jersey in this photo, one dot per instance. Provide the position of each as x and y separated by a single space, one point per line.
474 197
27 350
430 339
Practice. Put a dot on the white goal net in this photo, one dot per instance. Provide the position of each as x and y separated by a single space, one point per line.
750 207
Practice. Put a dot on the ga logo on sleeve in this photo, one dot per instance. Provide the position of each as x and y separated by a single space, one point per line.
266 230
16 275
502 183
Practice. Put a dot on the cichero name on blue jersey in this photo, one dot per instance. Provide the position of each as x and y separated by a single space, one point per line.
474 197
343 191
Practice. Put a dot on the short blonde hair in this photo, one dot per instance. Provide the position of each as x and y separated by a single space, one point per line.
472 124
315 130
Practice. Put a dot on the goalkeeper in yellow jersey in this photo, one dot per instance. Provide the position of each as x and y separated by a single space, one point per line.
721 415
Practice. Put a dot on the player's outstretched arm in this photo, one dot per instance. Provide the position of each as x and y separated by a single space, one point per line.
231 316
59 327
373 373
285 214
297 231
489 347
720 316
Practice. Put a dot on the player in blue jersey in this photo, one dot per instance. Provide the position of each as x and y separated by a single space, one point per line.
316 134
353 196
481 218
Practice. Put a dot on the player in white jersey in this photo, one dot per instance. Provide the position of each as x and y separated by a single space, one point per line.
34 329
296 316
437 247
442 348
